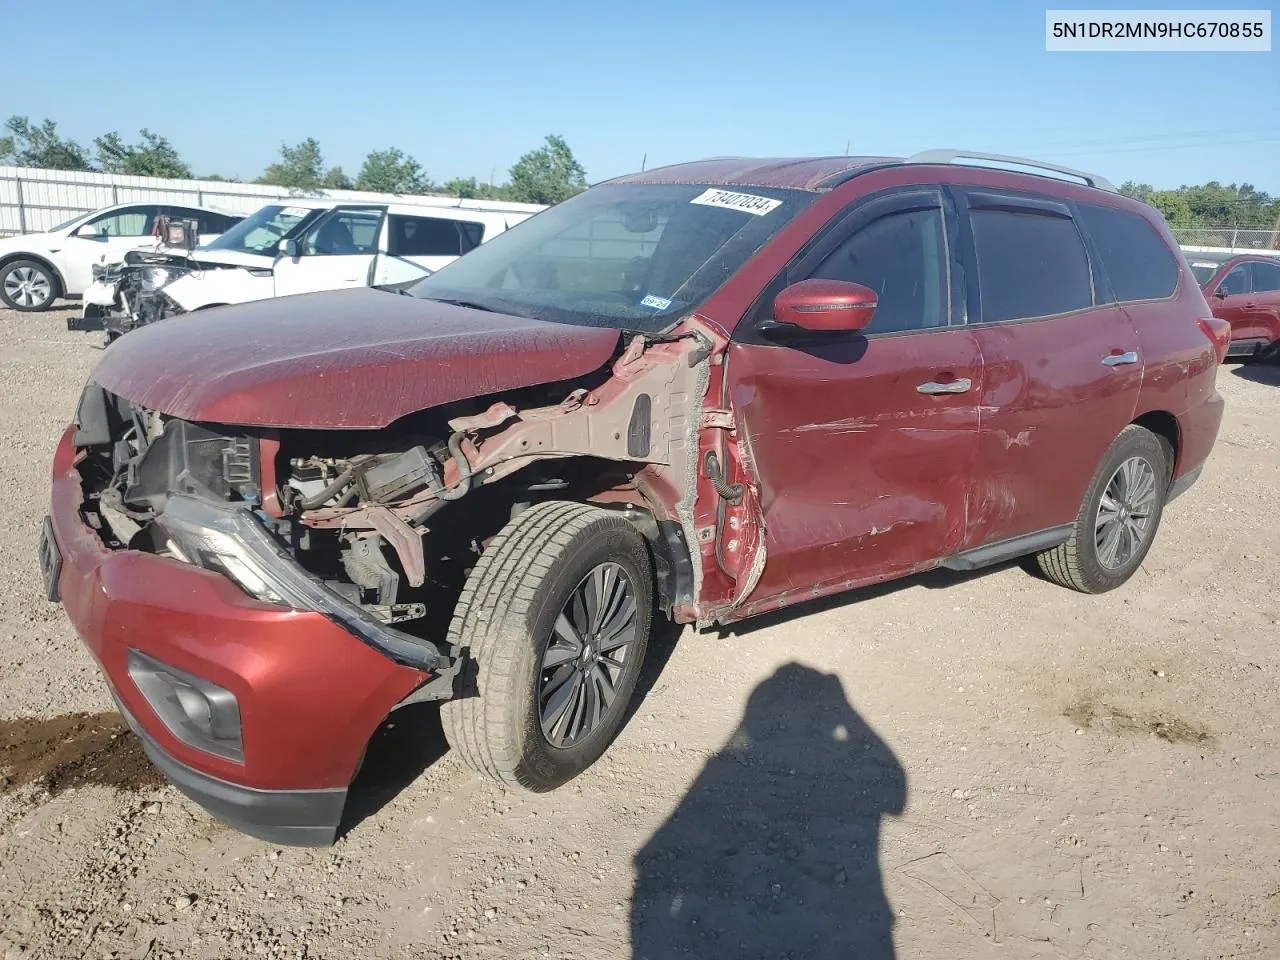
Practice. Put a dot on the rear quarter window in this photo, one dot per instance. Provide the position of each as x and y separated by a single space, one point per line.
432 236
1137 262
1031 263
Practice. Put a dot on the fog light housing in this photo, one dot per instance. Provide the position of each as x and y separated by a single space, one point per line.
198 712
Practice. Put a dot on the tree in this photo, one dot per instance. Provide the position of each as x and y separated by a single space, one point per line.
153 157
336 179
392 171
547 175
27 145
301 167
470 189
1137 191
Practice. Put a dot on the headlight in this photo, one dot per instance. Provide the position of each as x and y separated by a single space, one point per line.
153 278
197 711
231 540
216 550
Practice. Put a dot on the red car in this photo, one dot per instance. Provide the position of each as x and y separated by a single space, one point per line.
1243 290
702 392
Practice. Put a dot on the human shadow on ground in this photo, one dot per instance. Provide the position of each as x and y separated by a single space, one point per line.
774 851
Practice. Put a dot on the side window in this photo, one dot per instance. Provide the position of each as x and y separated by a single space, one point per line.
1031 263
1136 260
903 257
126 222
209 222
342 232
431 236
1236 281
1266 277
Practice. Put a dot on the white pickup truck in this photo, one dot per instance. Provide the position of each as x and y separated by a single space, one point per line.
295 246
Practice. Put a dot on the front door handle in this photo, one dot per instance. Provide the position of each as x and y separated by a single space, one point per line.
1120 359
951 386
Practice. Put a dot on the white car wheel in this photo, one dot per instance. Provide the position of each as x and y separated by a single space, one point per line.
27 285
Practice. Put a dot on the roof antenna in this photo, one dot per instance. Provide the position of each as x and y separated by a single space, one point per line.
644 161
847 144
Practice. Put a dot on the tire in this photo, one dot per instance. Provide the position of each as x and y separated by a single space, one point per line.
1134 473
507 623
28 286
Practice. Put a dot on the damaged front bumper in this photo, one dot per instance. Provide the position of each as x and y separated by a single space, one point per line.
306 685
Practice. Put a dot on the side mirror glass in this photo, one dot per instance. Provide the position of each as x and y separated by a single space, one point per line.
825 306
289 248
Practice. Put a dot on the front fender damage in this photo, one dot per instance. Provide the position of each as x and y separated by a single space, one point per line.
686 460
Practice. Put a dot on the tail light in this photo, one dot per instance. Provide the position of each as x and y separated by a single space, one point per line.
1219 333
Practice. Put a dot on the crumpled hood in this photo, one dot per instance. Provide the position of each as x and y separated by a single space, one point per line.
352 359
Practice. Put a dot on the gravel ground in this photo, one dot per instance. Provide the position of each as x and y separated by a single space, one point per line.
963 766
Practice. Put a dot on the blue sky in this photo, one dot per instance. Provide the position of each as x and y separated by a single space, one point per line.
467 88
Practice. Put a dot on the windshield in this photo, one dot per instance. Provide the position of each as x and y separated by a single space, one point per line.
262 232
631 256
1204 271
66 223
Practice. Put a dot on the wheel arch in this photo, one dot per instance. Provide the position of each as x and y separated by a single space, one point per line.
1165 426
9 258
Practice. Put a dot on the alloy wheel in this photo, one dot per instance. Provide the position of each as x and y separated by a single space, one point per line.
585 656
1125 513
27 287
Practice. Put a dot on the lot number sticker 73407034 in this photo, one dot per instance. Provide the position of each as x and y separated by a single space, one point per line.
746 202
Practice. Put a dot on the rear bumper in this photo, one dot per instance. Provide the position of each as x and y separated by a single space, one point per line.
304 818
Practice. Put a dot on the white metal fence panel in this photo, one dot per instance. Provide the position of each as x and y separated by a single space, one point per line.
33 199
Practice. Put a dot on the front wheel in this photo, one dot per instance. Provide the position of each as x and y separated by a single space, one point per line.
553 621
27 285
1119 517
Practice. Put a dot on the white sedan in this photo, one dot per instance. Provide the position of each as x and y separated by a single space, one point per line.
37 268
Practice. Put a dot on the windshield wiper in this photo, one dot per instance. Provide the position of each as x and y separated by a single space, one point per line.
469 304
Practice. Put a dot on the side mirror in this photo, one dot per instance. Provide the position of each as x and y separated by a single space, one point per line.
825 306
87 231
289 248
1220 294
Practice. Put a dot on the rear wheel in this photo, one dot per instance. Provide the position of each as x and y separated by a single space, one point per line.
28 285
1118 519
554 621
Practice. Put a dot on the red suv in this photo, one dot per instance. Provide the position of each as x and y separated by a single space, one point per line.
1243 290
702 392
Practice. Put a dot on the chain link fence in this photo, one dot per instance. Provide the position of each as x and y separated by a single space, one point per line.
1228 238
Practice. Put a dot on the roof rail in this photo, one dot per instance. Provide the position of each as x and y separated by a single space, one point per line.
947 156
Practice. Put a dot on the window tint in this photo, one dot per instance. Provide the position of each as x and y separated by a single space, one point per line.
209 222
1236 281
126 222
432 237
343 232
1030 264
1266 277
1204 270
1137 262
903 257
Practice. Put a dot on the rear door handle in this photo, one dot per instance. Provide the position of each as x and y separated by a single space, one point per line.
951 386
1120 359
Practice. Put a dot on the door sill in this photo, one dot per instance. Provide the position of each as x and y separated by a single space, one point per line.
1002 550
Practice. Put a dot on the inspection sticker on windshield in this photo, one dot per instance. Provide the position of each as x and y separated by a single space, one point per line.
296 211
655 303
746 202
